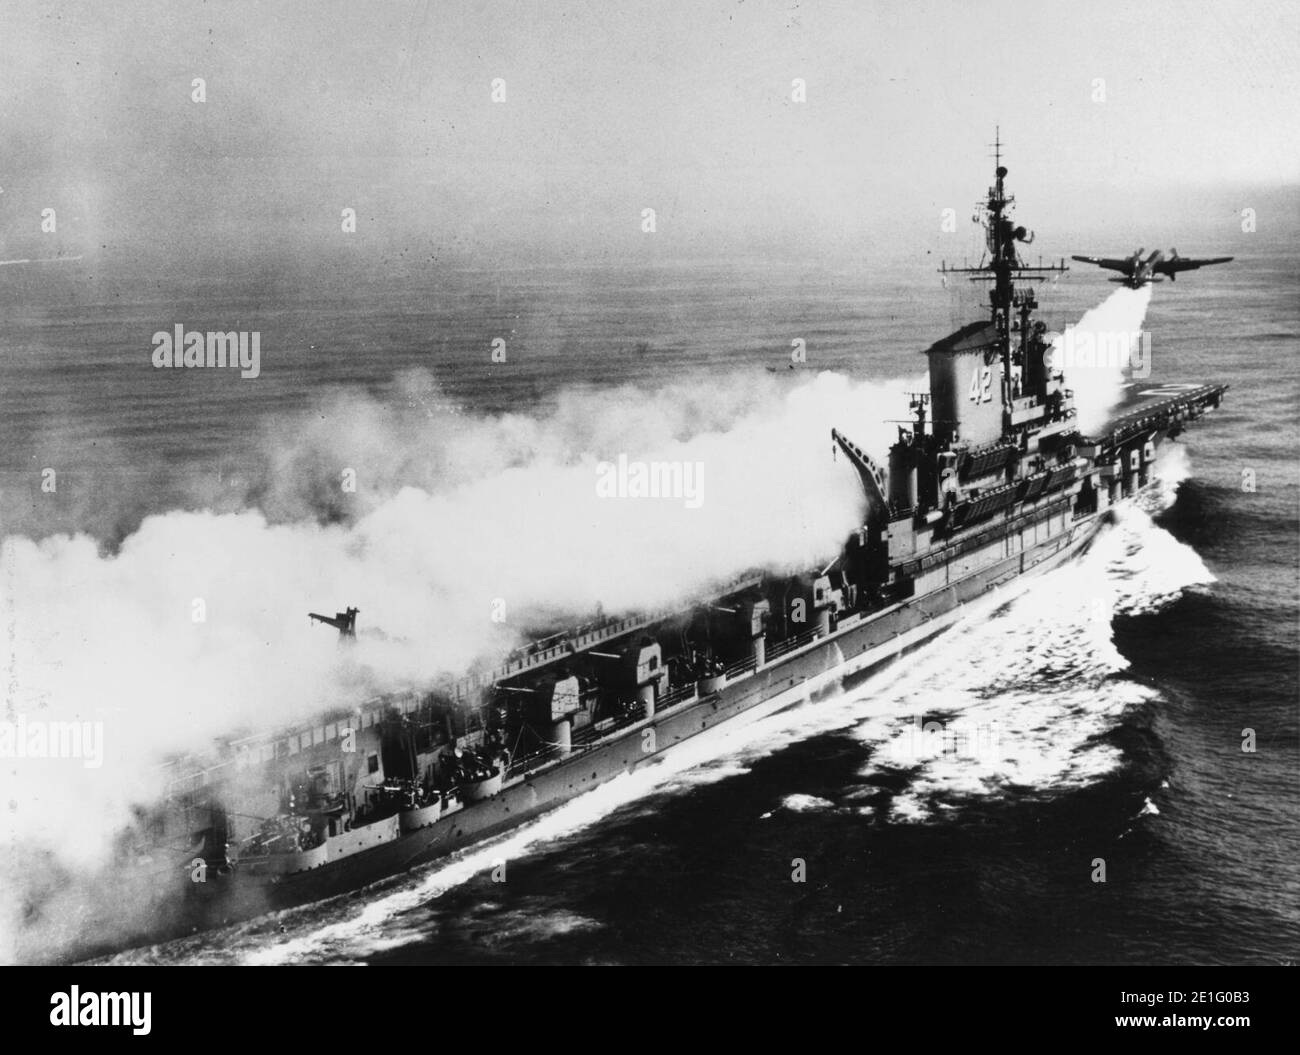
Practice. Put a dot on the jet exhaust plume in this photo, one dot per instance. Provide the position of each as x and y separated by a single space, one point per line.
1100 349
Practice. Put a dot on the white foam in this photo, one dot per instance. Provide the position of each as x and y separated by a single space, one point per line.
806 803
1027 696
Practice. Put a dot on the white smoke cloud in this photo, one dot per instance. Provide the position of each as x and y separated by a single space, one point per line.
1099 377
507 510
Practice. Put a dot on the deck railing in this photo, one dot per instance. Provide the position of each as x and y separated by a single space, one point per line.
790 644
737 669
673 697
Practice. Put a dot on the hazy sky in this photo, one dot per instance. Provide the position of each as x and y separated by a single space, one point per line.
614 107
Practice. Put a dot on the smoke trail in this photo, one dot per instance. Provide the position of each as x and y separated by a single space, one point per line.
1097 349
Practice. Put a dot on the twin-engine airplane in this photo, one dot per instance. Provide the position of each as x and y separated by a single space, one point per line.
1138 272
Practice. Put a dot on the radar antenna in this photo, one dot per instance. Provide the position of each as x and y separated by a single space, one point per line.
1002 265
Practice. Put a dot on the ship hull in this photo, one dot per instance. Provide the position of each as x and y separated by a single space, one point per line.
855 650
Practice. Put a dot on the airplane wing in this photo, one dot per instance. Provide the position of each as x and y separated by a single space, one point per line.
1102 261
1181 263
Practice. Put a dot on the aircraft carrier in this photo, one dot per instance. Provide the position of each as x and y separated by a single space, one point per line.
992 480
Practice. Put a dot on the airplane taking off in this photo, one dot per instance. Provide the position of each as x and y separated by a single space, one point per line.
1138 272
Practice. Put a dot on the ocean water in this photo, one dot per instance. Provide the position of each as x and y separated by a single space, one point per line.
1112 731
